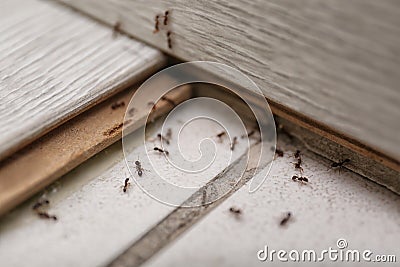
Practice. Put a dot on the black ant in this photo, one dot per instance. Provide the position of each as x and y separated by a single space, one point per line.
340 164
297 165
166 17
236 211
39 204
161 137
116 29
302 179
169 39
156 25
220 135
234 142
126 183
169 134
161 150
279 152
250 134
285 219
45 215
139 168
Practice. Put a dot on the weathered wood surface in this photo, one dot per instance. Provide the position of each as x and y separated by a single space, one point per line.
329 207
55 64
95 217
70 144
93 210
336 62
365 162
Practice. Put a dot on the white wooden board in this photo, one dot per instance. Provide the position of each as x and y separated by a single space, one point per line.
56 63
330 207
336 62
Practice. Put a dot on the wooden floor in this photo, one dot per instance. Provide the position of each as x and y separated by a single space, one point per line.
55 64
92 210
58 64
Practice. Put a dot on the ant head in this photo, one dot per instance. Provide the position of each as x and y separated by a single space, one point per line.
137 162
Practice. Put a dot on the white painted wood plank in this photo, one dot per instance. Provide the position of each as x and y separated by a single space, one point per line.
95 218
56 63
336 62
332 206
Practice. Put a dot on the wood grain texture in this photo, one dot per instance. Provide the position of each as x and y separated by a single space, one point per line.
336 62
365 161
70 144
329 207
95 217
55 64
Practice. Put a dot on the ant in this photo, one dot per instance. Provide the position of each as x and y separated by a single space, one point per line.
340 164
235 211
220 135
285 219
234 142
279 152
39 204
156 25
116 29
161 150
169 39
117 105
126 183
161 137
297 154
250 134
45 215
166 17
301 179
169 133
139 168
297 165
